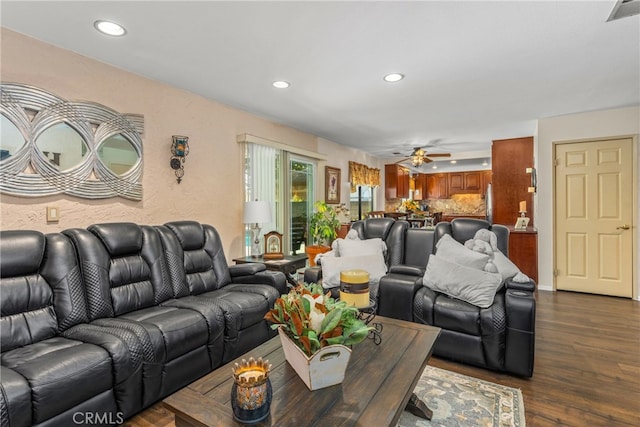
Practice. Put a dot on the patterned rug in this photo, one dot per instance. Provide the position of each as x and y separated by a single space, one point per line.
459 400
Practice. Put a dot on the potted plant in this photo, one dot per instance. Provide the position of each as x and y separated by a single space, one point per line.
323 228
315 331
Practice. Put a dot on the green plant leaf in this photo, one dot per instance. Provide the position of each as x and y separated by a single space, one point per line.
331 320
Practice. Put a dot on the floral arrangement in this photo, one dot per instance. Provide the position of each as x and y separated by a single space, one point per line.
314 320
410 205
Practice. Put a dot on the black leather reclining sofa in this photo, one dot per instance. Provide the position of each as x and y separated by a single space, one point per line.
99 323
500 337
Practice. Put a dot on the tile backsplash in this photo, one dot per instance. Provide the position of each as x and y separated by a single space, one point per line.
466 204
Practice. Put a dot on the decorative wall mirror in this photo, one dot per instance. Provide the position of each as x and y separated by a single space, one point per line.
52 146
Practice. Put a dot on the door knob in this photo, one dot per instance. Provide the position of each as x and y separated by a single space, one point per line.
623 227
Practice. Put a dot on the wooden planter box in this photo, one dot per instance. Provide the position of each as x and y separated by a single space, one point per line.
325 368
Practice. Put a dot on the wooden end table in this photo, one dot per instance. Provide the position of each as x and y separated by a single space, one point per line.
288 265
378 385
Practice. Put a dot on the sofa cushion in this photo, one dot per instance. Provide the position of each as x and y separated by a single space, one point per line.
448 248
182 330
62 373
350 247
456 315
332 266
474 286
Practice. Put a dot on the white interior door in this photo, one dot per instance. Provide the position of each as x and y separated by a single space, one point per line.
594 217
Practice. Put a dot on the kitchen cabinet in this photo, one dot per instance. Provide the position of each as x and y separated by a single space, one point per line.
396 182
510 181
486 180
420 191
465 182
437 186
523 250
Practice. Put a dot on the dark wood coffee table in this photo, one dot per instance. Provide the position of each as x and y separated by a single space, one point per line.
378 384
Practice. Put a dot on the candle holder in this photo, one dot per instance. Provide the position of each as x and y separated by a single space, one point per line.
251 392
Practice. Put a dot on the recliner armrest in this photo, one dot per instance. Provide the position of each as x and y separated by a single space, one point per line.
520 308
313 275
409 270
276 279
395 295
521 286
247 269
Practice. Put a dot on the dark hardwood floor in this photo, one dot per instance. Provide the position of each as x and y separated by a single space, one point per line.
587 367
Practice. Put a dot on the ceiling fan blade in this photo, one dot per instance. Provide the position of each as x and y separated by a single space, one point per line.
439 155
400 161
427 160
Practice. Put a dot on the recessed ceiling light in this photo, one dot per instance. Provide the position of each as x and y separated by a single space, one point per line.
485 163
280 84
110 28
393 77
434 167
453 162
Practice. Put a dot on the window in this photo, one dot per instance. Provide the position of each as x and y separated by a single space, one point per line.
286 181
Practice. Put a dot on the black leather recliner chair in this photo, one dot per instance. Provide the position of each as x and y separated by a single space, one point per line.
387 229
501 337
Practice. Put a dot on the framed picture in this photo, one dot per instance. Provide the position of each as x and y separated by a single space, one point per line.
332 185
273 245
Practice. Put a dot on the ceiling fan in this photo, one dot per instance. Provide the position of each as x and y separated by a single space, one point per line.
419 156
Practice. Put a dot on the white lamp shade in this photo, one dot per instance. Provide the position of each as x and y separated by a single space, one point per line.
257 212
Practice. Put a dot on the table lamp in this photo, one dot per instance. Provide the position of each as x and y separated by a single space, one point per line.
256 213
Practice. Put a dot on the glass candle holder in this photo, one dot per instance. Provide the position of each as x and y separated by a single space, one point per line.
251 392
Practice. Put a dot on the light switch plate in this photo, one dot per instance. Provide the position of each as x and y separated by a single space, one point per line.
53 214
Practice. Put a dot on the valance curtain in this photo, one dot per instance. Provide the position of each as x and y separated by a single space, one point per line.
360 174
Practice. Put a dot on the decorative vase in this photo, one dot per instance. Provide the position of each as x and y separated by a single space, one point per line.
314 250
325 368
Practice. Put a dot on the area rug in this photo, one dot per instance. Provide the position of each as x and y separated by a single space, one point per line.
459 400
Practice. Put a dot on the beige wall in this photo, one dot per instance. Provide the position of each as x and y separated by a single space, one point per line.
211 191
597 124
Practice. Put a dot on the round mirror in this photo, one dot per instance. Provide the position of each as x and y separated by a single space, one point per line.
12 140
118 154
63 146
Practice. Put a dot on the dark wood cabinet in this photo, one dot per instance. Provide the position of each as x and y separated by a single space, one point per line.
510 181
473 181
396 182
523 250
437 186
420 191
465 182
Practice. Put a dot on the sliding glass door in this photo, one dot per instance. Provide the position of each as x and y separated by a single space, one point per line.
287 182
301 195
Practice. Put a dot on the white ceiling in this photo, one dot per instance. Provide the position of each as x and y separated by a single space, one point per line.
475 71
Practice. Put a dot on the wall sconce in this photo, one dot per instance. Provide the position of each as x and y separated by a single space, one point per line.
179 150
534 180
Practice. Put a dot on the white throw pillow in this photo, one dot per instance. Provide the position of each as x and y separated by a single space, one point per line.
454 251
506 267
464 283
332 266
347 248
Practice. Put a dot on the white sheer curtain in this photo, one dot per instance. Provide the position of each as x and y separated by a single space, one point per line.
262 179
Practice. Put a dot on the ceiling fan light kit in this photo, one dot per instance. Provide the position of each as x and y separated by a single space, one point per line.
418 157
